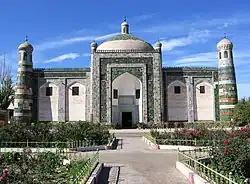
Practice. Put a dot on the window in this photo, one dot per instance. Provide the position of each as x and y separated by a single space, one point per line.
20 57
225 54
75 91
115 93
49 91
137 93
219 55
25 56
202 89
177 89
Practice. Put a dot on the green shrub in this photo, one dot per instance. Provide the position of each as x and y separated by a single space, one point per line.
51 132
232 154
242 112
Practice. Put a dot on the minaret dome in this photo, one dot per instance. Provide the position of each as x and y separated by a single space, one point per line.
26 46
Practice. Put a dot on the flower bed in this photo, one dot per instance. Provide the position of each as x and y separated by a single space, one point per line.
195 161
47 167
229 155
232 154
54 134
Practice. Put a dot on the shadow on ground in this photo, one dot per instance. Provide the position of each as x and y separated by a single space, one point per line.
109 174
118 144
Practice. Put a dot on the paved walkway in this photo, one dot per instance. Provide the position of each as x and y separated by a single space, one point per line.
137 164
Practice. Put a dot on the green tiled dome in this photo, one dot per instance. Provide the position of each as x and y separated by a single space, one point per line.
125 41
124 37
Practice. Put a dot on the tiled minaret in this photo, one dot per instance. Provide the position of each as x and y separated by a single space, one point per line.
227 80
23 90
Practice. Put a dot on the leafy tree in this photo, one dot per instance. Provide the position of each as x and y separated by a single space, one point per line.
242 111
6 86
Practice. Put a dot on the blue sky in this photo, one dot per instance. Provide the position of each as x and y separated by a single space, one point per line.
61 31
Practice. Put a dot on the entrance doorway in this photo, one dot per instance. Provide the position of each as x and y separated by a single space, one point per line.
126 119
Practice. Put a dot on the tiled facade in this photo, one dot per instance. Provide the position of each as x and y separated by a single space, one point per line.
167 94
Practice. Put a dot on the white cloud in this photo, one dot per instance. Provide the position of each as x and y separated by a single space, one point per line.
215 23
69 41
210 59
193 37
197 58
68 56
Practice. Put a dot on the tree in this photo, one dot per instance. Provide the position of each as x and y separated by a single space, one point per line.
242 111
6 85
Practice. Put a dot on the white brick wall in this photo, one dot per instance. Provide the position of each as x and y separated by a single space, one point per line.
177 103
48 105
204 103
77 103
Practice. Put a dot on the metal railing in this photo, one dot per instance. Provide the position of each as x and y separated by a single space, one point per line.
181 142
187 142
192 159
31 144
87 169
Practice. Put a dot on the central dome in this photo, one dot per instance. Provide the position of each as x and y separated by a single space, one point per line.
125 41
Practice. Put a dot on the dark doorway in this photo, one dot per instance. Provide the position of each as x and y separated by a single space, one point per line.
126 119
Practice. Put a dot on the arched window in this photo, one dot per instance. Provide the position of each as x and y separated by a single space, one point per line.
25 56
225 54
219 55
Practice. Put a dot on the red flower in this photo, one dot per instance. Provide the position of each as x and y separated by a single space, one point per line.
225 150
233 153
1 178
226 141
246 137
231 135
5 172
245 140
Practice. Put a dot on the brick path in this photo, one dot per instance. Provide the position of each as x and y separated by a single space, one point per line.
137 164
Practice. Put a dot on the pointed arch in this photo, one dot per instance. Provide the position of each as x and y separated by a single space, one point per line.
126 97
76 100
48 105
176 83
204 101
177 101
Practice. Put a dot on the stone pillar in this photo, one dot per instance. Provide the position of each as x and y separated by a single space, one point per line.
190 98
95 88
62 100
157 73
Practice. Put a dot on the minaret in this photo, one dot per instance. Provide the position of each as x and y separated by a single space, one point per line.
226 80
93 46
23 91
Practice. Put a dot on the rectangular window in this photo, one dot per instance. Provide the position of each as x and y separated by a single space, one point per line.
177 89
75 91
49 91
202 89
137 93
115 93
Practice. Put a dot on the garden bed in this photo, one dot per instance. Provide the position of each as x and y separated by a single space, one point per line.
27 167
199 171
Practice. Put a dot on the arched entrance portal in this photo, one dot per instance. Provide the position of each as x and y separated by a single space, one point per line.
126 100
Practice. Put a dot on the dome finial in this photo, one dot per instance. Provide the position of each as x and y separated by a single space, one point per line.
26 38
225 35
124 26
